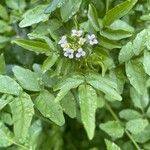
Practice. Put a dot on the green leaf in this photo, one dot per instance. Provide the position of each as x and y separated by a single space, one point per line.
66 85
146 62
54 5
126 52
135 126
9 86
35 46
136 75
118 11
139 101
34 134
109 44
6 118
118 76
105 85
3 12
113 128
2 64
16 4
22 113
139 42
4 100
68 105
72 6
93 17
88 105
49 62
115 34
111 146
4 27
6 136
4 39
49 108
129 114
148 112
121 25
28 80
34 16
143 136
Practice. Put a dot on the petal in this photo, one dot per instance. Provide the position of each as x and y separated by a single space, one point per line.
66 54
93 36
80 50
71 56
78 55
83 53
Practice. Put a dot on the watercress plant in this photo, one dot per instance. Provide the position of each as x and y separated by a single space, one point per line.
74 74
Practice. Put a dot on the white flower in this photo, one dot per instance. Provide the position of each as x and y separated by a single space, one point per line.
63 40
92 39
69 53
80 53
64 45
82 41
77 33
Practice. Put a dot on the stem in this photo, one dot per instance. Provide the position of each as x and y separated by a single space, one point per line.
117 119
15 143
107 5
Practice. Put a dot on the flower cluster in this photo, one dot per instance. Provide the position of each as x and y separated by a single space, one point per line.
73 45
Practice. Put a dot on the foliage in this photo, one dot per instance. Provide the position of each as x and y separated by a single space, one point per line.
74 74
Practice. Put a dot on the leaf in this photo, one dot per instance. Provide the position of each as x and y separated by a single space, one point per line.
139 42
115 34
136 126
6 136
136 75
105 85
88 105
49 108
109 44
72 6
118 76
113 128
34 134
118 12
146 62
22 113
9 86
28 80
54 5
4 27
4 100
35 46
126 53
121 25
68 105
16 4
93 17
111 145
2 64
6 118
3 12
139 101
34 16
129 114
66 85
49 62
4 39
143 136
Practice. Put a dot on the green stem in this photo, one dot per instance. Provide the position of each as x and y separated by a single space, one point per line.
117 119
107 5
15 143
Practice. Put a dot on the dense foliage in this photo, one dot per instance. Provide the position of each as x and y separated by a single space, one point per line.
74 74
